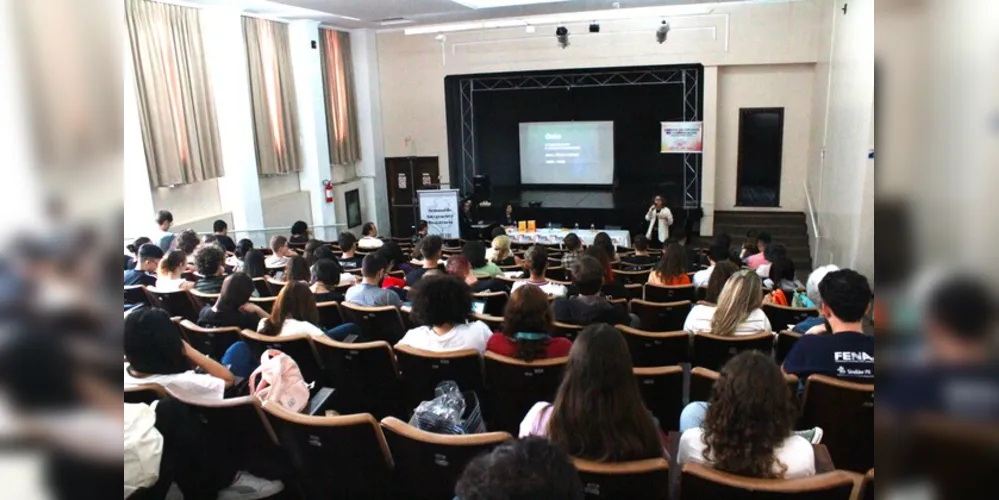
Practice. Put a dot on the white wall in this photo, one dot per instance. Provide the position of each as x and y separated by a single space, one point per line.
765 86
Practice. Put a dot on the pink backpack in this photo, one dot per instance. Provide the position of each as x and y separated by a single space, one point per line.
279 380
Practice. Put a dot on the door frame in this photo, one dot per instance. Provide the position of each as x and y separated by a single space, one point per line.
780 153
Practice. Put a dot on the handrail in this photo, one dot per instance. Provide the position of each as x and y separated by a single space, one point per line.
129 239
811 210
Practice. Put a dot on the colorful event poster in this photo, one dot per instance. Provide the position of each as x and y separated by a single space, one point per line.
682 137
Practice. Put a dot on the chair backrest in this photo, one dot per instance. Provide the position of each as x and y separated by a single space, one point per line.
274 286
146 393
655 293
660 316
136 294
656 348
203 299
784 317
845 411
495 323
365 375
515 386
423 370
785 341
639 480
702 381
176 303
429 465
299 347
265 303
329 315
566 330
633 277
495 302
713 351
212 342
699 481
236 425
260 285
557 273
335 457
662 391
377 323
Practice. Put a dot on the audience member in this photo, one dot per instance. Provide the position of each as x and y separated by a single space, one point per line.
475 252
295 312
598 413
573 250
641 258
210 239
300 233
309 253
760 258
235 261
460 267
816 324
369 237
716 283
187 241
442 306
612 288
164 238
233 307
348 244
465 219
530 468
254 264
221 231
148 260
589 306
208 260
430 249
536 259
280 253
780 273
133 252
421 231
369 292
604 242
297 270
672 268
750 247
392 254
717 253
325 278
500 253
846 352
170 273
738 311
527 327
497 231
747 428
156 354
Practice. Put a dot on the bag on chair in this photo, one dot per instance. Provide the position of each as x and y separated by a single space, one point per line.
279 380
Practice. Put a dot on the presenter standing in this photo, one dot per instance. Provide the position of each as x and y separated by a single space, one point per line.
660 218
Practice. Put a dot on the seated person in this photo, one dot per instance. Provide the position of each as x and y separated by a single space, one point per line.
816 324
295 312
641 258
703 311
604 242
281 252
297 270
612 287
589 306
300 233
573 251
421 231
431 248
475 252
527 326
309 253
148 261
392 254
349 260
611 424
845 352
527 468
369 292
187 241
369 237
221 232
460 267
236 260
672 268
727 433
536 259
442 306
500 253
170 273
716 254
133 252
738 312
155 353
325 278
758 259
209 260
233 307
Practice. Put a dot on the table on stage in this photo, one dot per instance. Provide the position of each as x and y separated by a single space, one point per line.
554 236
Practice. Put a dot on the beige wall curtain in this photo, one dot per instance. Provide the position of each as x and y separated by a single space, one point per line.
272 94
176 107
338 89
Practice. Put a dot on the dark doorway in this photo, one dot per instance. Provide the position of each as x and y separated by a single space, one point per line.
761 147
405 177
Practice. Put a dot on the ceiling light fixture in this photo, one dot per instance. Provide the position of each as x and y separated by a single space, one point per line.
562 35
594 28
492 4
662 32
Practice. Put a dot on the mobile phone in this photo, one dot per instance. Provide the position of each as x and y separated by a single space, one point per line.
350 338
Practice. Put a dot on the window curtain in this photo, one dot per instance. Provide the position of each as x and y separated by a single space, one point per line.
176 106
338 90
272 95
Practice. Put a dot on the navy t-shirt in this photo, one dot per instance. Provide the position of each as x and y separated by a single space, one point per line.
846 355
135 277
351 263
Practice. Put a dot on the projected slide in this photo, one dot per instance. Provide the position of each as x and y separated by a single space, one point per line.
567 153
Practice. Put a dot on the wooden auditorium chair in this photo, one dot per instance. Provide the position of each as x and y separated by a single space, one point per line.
299 347
203 299
212 342
377 323
265 303
845 411
785 341
136 294
495 302
785 317
654 293
365 376
178 303
713 351
638 480
260 285
656 348
660 316
702 381
566 330
662 391
515 386
274 286
698 482
330 315
422 370
146 393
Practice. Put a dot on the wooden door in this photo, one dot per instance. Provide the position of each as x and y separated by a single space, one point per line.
406 176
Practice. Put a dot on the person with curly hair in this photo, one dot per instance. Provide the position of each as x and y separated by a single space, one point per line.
209 261
748 427
300 233
527 325
187 241
528 468
442 305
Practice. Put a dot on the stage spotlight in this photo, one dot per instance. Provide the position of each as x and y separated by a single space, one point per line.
662 32
562 34
594 28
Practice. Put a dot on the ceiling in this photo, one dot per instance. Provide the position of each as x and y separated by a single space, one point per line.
355 14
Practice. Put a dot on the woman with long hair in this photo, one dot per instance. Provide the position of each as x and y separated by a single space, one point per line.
133 252
527 325
475 252
748 426
738 311
254 264
309 254
293 312
604 242
672 268
170 273
598 413
699 318
297 270
611 287
233 307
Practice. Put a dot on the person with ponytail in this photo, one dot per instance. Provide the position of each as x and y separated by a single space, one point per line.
527 325
133 252
170 273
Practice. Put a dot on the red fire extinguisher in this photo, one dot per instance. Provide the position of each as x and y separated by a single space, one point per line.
328 188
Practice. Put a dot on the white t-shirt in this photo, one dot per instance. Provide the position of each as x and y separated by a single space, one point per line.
699 320
702 277
796 453
468 336
169 285
295 327
552 289
143 448
188 385
368 242
274 262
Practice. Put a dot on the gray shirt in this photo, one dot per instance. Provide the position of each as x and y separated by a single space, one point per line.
372 296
